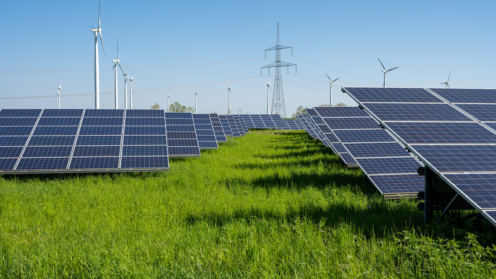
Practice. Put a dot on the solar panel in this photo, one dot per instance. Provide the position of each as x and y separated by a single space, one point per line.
357 136
205 131
53 121
388 165
347 158
481 112
423 133
233 126
19 122
278 121
480 189
13 141
390 94
393 184
416 112
351 123
292 125
347 112
10 152
20 112
63 113
257 121
243 124
218 130
370 150
455 95
241 129
225 125
267 120
181 144
338 147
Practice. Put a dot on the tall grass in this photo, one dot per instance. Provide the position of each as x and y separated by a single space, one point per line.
270 204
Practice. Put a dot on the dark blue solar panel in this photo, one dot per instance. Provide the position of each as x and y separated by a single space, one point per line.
324 129
99 140
467 95
15 131
376 150
104 113
347 159
207 144
459 158
312 112
390 94
13 141
145 140
184 142
492 125
95 163
317 120
55 131
203 127
175 121
351 123
20 112
7 152
18 122
62 113
181 135
51 140
180 128
378 135
145 113
144 162
481 112
396 184
103 121
184 151
442 133
341 112
145 130
59 151
43 164
53 121
339 147
201 116
7 164
416 112
95 151
100 130
201 120
389 165
144 151
490 215
206 138
480 188
205 132
145 121
178 115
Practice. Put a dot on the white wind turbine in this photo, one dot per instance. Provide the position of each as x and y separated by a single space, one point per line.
131 80
268 90
58 95
447 82
168 102
125 87
117 62
229 93
330 93
385 71
196 102
98 32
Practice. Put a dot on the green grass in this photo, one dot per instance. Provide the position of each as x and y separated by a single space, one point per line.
270 204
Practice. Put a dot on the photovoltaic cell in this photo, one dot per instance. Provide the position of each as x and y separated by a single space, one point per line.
145 140
6 152
98 140
403 183
347 159
100 130
178 128
416 112
7 164
390 94
59 151
102 121
180 142
466 95
356 136
55 131
13 141
480 188
346 112
339 147
170 121
144 130
183 150
144 113
102 113
29 122
144 151
20 112
204 131
95 163
459 158
62 113
481 112
51 140
218 130
15 131
53 121
421 133
369 150
144 162
351 123
145 121
42 163
96 151
389 165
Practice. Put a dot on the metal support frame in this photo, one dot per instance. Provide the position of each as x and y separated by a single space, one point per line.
447 207
429 195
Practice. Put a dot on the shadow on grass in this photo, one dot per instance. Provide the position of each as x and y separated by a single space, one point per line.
303 162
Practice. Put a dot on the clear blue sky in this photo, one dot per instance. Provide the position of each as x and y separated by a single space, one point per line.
47 42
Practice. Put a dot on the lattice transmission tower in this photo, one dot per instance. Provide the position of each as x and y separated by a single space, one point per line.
278 106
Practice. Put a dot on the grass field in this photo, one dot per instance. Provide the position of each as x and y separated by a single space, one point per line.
270 204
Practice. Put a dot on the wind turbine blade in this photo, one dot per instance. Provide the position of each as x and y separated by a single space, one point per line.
98 14
120 67
449 76
101 40
335 80
392 69
328 76
381 64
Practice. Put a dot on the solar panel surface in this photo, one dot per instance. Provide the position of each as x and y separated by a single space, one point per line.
205 131
179 143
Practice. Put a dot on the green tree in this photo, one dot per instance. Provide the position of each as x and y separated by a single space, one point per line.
341 105
190 109
156 106
299 110
177 107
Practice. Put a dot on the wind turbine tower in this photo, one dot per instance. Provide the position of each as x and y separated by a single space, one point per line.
196 101
278 106
447 82
330 93
98 32
131 80
168 103
125 88
385 71
229 93
117 62
268 91
58 95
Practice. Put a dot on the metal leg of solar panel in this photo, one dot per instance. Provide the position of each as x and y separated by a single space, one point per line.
447 207
429 195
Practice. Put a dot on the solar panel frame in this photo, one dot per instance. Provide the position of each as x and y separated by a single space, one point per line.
205 142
